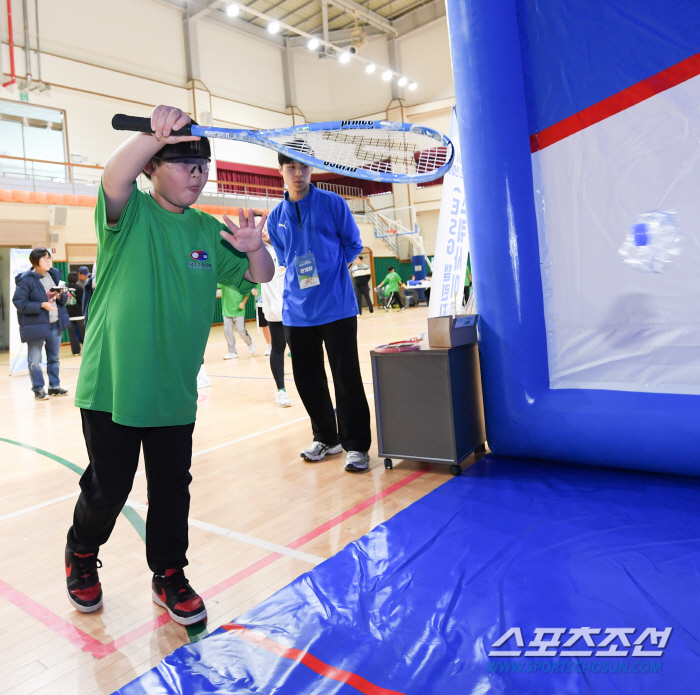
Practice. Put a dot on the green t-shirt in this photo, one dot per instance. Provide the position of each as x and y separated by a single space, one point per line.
151 312
230 301
391 282
467 279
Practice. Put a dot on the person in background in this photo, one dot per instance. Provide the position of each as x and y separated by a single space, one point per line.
262 321
233 308
316 238
272 308
88 280
391 292
362 275
83 274
42 319
74 306
428 280
468 279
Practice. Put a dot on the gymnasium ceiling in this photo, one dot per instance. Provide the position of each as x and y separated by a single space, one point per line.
349 21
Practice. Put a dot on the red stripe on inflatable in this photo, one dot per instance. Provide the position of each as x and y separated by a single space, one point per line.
323 669
651 86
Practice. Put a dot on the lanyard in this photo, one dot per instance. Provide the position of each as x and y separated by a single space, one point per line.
301 230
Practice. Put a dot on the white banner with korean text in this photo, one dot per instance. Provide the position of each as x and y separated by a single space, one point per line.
452 243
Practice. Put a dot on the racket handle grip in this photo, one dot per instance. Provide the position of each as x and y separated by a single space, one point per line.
142 125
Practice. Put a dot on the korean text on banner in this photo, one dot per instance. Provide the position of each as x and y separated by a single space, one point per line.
19 263
452 244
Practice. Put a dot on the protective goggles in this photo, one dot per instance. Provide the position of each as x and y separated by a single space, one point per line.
188 165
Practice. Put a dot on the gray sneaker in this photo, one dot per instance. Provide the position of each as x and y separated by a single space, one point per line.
318 450
357 461
40 395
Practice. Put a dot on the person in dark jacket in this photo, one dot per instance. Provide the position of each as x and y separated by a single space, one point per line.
74 305
88 281
42 319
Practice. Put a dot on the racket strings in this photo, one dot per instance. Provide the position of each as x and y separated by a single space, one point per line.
380 151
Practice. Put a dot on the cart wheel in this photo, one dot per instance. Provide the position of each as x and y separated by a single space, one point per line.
456 470
388 463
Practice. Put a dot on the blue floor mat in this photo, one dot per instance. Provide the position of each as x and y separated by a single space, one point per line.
553 558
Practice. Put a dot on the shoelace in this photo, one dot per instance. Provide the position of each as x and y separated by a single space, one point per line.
178 584
87 568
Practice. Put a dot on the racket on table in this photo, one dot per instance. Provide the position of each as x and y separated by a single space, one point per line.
372 150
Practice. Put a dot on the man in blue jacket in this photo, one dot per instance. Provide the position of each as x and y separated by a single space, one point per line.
315 237
42 319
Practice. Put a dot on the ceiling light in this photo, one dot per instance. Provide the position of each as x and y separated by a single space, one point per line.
344 57
233 10
313 44
371 67
387 75
413 86
403 81
273 27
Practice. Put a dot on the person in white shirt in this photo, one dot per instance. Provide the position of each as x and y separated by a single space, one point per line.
272 310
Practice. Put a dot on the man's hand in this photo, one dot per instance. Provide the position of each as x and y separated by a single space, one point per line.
248 236
241 305
254 292
49 306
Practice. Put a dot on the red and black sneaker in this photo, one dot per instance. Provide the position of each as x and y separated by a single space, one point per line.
173 591
84 588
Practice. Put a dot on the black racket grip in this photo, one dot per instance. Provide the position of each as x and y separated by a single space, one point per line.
142 125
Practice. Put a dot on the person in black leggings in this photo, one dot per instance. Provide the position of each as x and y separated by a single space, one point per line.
272 311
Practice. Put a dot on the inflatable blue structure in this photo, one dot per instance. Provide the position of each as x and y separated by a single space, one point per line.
577 120
580 144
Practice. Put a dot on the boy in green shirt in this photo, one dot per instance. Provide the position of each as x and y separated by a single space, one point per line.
391 291
144 347
233 310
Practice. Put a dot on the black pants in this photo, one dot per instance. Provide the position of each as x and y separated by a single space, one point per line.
113 451
76 336
340 337
363 291
393 297
279 342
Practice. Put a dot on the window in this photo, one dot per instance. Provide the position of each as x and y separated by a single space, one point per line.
32 132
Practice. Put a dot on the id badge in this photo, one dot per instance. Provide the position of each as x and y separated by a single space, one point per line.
307 271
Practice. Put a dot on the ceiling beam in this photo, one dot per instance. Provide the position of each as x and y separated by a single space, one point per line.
354 8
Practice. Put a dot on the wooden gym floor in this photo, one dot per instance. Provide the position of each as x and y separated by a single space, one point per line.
260 516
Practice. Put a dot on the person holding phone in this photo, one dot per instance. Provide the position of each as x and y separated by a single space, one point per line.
40 302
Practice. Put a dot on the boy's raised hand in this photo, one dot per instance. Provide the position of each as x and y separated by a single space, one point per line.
165 120
248 236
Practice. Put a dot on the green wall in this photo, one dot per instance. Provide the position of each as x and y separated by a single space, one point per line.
382 263
249 310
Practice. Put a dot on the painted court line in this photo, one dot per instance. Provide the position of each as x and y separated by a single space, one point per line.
321 667
56 500
97 649
242 537
249 436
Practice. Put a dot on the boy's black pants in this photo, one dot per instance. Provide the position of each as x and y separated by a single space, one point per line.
113 451
340 337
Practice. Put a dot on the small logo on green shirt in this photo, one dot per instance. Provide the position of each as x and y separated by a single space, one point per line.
198 261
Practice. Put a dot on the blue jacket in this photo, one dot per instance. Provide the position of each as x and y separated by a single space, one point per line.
28 298
329 231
